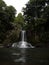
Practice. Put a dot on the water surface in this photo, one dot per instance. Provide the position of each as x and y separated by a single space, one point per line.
15 56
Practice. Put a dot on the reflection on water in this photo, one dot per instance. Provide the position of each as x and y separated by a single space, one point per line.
21 56
31 57
18 56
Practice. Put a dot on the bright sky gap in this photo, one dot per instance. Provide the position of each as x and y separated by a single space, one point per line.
18 4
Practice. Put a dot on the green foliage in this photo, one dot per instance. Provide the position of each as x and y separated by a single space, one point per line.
7 15
2 4
11 37
36 14
19 20
11 11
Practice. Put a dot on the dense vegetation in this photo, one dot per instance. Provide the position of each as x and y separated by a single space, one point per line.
36 15
9 24
35 21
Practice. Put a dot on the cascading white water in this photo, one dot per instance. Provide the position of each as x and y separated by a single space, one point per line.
23 43
22 35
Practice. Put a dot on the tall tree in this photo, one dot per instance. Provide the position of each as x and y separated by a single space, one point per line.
11 11
36 14
20 20
7 15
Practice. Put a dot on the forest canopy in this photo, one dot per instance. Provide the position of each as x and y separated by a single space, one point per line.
36 15
35 20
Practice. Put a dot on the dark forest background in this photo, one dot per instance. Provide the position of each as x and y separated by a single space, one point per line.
35 20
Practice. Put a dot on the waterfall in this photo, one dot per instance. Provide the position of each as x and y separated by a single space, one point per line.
23 43
23 35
